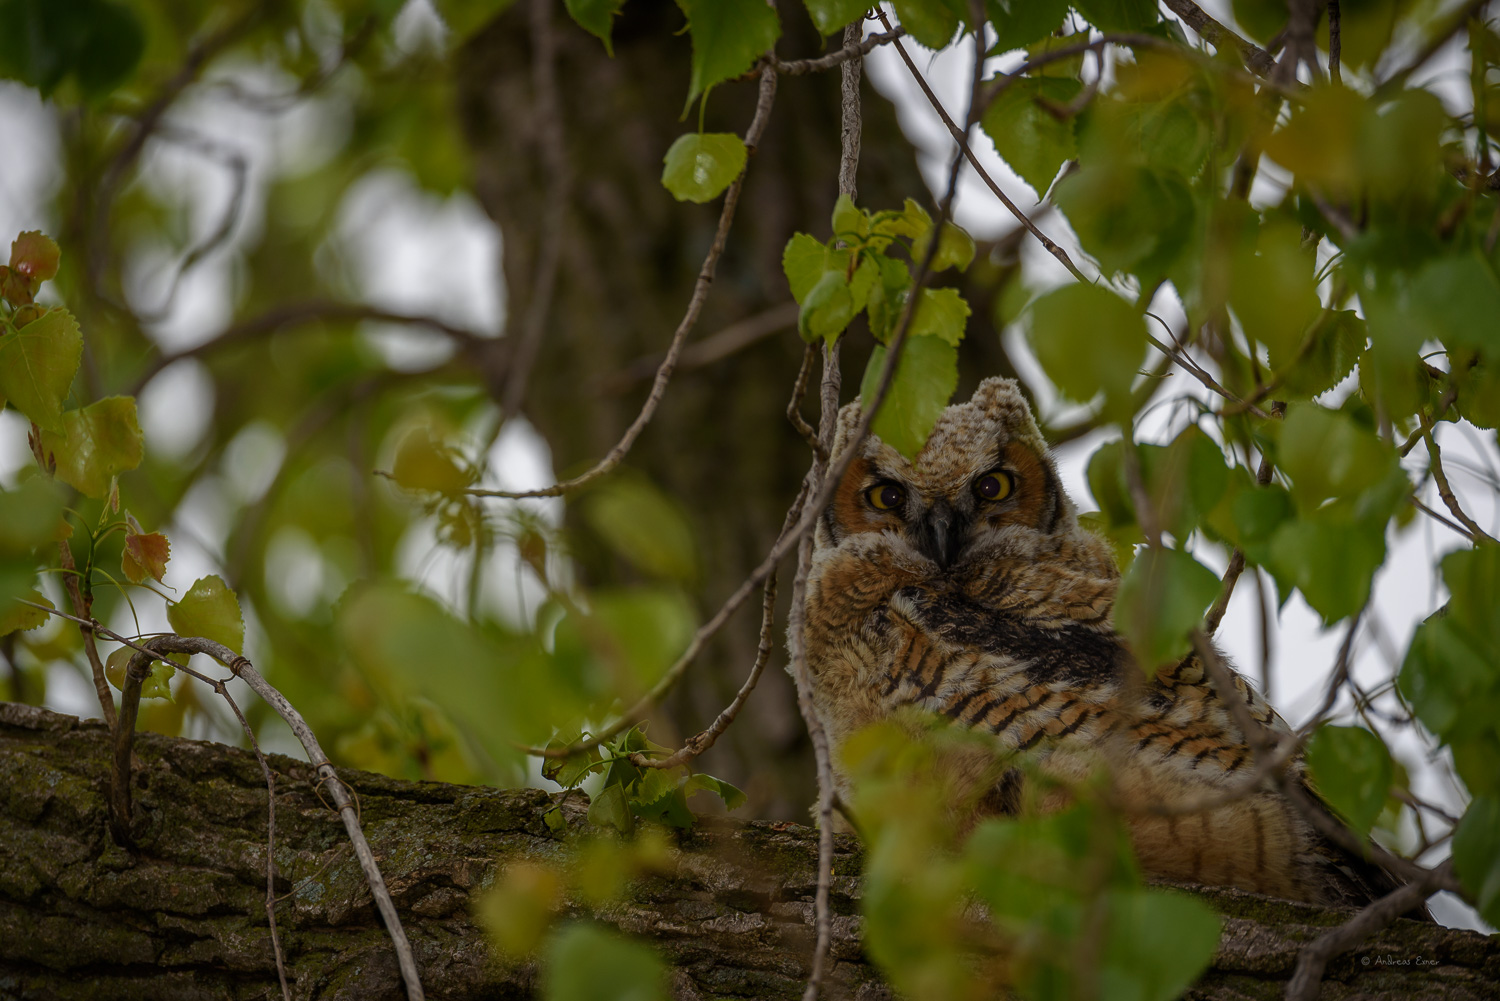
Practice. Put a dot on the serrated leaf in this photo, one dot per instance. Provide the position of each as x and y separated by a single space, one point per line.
211 610
940 313
829 16
96 444
37 365
611 808
728 37
925 378
1328 455
1330 558
803 261
16 617
930 22
145 556
1351 769
1035 142
955 248
733 798
1089 341
1018 23
1457 297
827 309
34 256
1162 597
596 17
700 165
1131 219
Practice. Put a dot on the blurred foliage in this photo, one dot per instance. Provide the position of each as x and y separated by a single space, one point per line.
1356 292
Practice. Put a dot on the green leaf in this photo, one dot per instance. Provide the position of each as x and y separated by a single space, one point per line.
1131 219
37 365
611 808
1458 297
1158 943
1330 356
1184 480
596 17
733 798
925 378
465 17
588 963
30 515
1273 292
1320 142
1351 769
211 610
955 248
97 443
1476 855
44 41
1089 341
803 261
1330 558
700 165
829 16
644 629
1162 597
849 221
1018 23
930 22
887 296
1119 15
728 37
1326 454
425 462
643 525
827 309
110 48
940 313
1035 142
16 617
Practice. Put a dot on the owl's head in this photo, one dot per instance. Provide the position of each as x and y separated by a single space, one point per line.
983 481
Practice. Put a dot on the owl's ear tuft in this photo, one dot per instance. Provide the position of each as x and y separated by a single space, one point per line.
1001 400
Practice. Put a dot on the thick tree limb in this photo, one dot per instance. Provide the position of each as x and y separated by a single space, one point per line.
185 918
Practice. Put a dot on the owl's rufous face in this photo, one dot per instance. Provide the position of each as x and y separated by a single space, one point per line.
981 471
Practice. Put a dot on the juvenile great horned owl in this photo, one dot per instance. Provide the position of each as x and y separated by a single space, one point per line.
962 584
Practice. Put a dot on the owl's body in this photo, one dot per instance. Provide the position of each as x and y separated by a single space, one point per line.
962 584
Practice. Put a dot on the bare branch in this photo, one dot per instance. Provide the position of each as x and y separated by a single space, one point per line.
1445 491
82 609
1220 37
854 51
689 320
1335 43
715 347
794 405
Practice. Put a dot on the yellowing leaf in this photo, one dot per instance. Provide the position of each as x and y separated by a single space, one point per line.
15 616
97 443
211 610
699 166
423 462
145 556
37 365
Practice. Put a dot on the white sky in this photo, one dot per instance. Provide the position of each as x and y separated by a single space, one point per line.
402 248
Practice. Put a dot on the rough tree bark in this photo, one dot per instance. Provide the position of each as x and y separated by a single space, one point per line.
184 918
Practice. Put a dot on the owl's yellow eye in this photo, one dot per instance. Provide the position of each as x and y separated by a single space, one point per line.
885 496
995 486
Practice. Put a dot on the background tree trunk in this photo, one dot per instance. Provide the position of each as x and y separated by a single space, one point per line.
183 918
721 443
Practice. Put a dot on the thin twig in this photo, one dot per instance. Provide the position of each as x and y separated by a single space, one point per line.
1335 43
1236 561
732 339
961 137
853 51
548 113
1445 491
1314 957
82 608
1220 37
702 741
794 405
690 318
1441 518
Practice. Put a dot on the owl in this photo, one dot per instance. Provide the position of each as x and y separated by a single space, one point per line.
962 584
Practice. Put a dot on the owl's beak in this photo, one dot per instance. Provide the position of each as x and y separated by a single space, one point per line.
940 534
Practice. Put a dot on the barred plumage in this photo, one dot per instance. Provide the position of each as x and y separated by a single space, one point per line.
962 584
